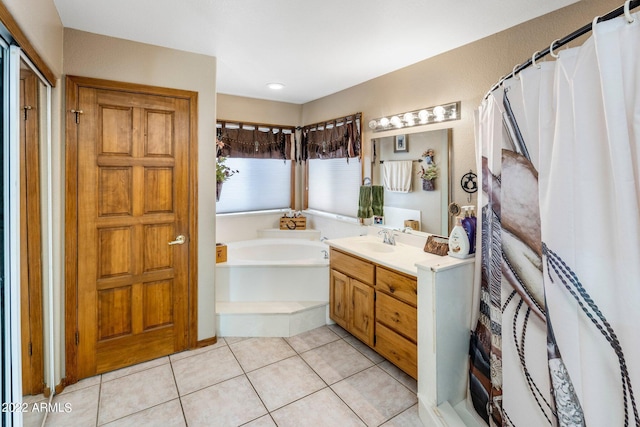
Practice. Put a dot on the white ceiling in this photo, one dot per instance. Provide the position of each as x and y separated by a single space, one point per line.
314 47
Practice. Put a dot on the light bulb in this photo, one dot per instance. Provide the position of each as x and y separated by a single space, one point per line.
423 115
384 122
395 120
439 112
373 124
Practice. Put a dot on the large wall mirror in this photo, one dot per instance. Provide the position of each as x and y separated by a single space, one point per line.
428 206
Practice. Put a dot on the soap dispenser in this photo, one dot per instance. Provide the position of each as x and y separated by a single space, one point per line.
469 225
458 241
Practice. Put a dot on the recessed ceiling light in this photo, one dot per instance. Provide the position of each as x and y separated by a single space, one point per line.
275 86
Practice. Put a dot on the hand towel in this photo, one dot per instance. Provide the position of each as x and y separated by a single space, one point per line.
364 205
396 175
377 200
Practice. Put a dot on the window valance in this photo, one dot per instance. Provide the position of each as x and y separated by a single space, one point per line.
253 140
332 139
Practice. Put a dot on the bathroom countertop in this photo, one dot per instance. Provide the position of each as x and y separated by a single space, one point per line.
402 257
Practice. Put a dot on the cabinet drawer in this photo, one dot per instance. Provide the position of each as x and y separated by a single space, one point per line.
352 266
397 349
397 315
403 287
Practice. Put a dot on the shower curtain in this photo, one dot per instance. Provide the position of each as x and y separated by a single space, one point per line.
557 340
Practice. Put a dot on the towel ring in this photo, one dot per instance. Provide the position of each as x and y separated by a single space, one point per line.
627 13
555 55
533 59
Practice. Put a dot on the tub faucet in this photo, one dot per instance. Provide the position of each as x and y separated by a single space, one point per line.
389 238
326 254
322 239
407 230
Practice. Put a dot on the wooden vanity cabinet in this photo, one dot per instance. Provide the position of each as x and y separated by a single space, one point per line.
351 295
378 306
397 319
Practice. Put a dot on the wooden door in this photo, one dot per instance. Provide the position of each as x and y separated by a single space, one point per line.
133 206
361 320
339 298
30 238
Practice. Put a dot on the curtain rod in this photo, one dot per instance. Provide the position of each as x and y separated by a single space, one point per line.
563 41
256 125
355 116
414 160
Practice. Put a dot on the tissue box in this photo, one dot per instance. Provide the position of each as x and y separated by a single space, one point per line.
221 252
299 223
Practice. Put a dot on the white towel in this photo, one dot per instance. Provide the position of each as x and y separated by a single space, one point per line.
396 175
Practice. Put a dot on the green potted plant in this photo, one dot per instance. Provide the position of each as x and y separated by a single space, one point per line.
223 173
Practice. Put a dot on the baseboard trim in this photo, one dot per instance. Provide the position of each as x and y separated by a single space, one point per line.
206 342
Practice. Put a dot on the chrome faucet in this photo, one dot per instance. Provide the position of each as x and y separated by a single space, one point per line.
326 254
407 230
322 239
389 238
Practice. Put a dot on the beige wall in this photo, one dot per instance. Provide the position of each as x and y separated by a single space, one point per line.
39 21
91 55
232 107
464 74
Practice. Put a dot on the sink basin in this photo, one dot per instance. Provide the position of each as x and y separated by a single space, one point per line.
376 247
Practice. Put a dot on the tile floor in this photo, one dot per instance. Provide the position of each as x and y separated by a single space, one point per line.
324 377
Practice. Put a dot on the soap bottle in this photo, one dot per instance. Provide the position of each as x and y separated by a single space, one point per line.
458 241
474 224
469 227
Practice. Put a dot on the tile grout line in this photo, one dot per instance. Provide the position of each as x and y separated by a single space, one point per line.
374 364
175 382
252 386
328 386
245 373
98 405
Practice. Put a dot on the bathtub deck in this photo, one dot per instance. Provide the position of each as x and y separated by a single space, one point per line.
269 319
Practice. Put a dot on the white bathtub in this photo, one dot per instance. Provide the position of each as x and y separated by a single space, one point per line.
272 287
277 252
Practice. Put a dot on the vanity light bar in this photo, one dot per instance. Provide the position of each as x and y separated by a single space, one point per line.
424 116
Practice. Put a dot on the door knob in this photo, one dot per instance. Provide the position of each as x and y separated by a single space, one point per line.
179 240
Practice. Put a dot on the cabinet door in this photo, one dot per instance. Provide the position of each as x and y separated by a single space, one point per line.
339 298
361 318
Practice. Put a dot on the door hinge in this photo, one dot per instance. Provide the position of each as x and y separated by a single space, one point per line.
77 337
30 349
26 111
77 113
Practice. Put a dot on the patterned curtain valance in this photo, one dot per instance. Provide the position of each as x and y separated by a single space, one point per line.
333 139
252 140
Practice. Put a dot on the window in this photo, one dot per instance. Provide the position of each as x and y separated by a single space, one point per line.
334 185
334 171
260 184
261 155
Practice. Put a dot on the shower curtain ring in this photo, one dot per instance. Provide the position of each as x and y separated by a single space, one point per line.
555 55
513 72
533 59
627 13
